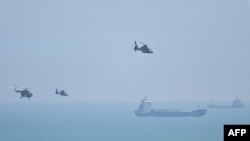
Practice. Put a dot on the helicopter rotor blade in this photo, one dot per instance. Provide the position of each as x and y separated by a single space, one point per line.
11 87
144 43
19 87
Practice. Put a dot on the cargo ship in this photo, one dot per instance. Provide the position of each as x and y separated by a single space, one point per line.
144 110
236 103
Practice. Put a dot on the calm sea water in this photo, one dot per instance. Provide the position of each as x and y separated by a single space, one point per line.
64 121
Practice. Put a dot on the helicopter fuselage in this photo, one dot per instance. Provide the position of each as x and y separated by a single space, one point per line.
144 48
62 93
24 93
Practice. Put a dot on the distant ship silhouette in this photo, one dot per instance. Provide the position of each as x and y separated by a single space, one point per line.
236 103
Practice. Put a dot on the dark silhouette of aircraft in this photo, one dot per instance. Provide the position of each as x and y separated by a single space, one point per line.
24 93
62 92
144 48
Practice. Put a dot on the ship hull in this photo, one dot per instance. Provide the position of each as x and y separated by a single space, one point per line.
153 113
225 107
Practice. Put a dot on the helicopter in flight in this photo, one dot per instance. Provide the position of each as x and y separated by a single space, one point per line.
24 93
62 92
144 48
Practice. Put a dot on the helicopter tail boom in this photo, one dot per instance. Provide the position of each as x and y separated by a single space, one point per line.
57 91
136 47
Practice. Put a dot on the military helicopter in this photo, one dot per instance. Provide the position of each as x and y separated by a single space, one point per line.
144 48
24 93
62 92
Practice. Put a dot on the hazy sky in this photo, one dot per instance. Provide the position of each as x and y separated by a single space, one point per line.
201 49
